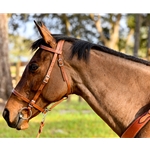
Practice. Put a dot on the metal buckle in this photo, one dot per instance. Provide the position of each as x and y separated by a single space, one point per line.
60 62
44 114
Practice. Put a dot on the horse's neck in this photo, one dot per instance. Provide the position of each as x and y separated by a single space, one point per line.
116 89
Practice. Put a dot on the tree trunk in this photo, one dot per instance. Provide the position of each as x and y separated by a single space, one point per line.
114 31
5 75
18 65
148 47
131 32
67 24
99 28
137 34
114 36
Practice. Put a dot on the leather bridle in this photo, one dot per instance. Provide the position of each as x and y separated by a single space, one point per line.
32 103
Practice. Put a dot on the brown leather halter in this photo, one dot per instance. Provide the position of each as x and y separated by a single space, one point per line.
32 103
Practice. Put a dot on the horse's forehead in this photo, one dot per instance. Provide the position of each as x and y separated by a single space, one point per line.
39 55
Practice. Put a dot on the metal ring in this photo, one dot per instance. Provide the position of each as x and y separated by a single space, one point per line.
21 116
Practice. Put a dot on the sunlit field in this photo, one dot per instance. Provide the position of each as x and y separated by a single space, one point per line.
72 119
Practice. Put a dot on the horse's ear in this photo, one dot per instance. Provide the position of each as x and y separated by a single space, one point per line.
45 33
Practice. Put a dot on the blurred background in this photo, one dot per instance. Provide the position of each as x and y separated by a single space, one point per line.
127 33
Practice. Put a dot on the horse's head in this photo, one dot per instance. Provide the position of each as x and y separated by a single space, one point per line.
42 83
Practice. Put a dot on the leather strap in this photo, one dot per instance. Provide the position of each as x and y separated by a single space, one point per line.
50 49
47 77
27 100
65 78
137 125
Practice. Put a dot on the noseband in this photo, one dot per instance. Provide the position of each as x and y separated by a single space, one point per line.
32 103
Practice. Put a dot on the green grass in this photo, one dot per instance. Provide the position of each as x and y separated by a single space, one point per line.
67 120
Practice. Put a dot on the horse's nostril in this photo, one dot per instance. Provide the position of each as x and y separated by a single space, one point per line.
6 114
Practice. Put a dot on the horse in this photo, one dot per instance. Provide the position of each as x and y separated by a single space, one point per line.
115 85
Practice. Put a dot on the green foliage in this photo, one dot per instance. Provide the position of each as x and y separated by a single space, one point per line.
68 120
19 48
131 21
84 27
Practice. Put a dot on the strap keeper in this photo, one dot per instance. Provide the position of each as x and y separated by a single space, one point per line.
31 103
47 77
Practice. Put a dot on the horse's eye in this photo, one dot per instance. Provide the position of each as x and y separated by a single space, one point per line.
33 67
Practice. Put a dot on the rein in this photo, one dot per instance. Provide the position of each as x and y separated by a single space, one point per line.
32 103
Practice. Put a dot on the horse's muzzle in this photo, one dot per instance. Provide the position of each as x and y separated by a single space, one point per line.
17 123
6 115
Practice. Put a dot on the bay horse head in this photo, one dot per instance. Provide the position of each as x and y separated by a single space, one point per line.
43 82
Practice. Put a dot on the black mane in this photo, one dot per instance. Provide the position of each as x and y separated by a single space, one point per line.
82 48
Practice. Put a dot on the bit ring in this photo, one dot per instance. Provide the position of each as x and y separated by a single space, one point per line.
21 116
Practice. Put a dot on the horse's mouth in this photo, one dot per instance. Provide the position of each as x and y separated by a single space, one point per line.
17 120
18 123
23 118
21 124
